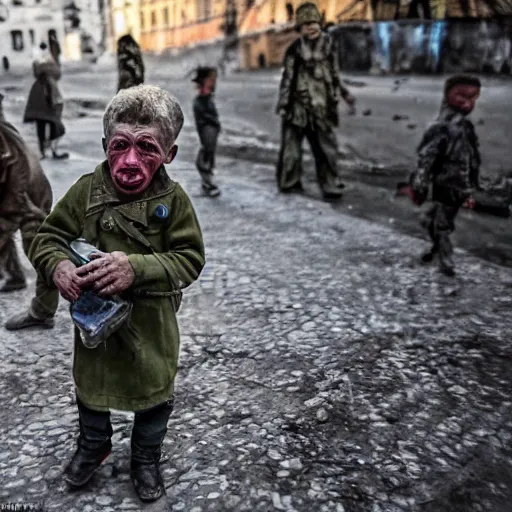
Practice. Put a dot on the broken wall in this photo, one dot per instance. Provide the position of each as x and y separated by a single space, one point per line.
426 46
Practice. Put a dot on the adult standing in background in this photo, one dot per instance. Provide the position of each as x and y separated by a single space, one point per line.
129 63
45 103
55 48
25 201
309 93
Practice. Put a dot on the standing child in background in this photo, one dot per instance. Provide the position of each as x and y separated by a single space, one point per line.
208 127
448 155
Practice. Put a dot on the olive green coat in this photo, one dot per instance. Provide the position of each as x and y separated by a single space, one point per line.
136 367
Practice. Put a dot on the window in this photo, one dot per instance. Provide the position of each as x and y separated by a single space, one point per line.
166 16
17 40
32 37
153 18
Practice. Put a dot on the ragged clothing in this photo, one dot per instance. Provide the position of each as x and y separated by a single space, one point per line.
136 367
25 200
310 86
448 155
308 102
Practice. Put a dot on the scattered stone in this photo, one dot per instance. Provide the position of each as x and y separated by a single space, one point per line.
53 473
292 464
322 415
400 117
314 402
103 501
367 112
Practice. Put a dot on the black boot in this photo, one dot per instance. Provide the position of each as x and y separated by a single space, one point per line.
149 428
294 189
59 156
445 256
94 445
145 473
14 283
429 256
86 460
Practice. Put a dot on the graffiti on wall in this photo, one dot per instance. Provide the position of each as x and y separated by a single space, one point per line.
432 46
410 47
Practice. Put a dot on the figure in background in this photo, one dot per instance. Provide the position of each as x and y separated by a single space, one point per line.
45 103
129 63
448 156
308 104
55 48
208 127
151 247
25 200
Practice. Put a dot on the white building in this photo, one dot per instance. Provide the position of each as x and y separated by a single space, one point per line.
24 24
85 28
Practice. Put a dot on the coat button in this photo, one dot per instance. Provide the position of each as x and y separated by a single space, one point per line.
107 224
161 212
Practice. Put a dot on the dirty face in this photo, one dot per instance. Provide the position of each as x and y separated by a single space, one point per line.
463 98
310 30
134 154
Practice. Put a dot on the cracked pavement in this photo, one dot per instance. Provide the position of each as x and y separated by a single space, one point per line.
322 367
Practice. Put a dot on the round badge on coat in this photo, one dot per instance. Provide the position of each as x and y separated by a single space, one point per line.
161 212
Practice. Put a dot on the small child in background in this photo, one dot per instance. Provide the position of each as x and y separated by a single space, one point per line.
449 157
208 127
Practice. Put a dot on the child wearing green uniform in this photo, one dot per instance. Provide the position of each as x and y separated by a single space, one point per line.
150 248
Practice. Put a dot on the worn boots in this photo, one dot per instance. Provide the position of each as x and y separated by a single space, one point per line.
94 446
12 284
27 319
208 185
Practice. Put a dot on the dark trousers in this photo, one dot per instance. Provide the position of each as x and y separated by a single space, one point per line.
440 221
46 300
324 146
148 432
41 133
205 161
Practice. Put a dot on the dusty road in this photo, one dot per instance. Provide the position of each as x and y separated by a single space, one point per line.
323 370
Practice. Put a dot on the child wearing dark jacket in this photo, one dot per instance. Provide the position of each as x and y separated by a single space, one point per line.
448 156
208 127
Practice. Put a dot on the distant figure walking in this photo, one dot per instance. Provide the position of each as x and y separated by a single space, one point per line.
45 103
208 127
55 48
129 63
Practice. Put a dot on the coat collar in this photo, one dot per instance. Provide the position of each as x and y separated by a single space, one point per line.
103 193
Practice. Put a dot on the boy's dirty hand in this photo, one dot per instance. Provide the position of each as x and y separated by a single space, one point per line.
108 274
67 281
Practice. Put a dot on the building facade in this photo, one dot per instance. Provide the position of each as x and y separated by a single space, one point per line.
85 29
24 24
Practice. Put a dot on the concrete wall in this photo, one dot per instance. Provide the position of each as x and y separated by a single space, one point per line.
427 46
